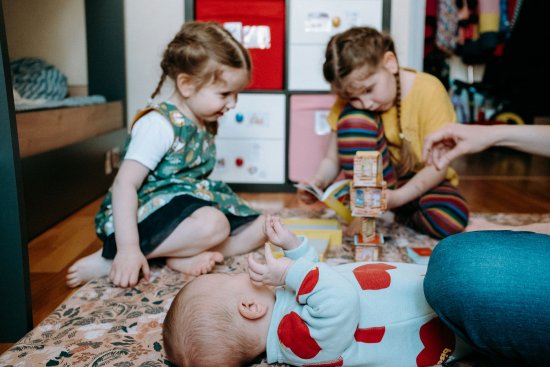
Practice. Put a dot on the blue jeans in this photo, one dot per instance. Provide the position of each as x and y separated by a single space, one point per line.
492 288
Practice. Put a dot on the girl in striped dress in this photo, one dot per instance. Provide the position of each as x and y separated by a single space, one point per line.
384 107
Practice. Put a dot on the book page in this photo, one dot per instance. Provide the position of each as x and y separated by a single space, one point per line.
314 190
337 189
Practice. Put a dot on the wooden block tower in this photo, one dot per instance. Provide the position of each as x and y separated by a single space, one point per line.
368 200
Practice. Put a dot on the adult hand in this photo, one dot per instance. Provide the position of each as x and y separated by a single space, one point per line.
454 140
273 272
278 234
126 267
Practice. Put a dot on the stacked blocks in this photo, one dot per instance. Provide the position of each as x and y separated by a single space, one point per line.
368 200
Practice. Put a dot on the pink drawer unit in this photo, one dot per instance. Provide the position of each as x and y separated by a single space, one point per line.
308 135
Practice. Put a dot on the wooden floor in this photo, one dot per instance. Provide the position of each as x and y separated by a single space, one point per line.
498 181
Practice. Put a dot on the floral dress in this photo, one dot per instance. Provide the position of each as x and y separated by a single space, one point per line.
183 170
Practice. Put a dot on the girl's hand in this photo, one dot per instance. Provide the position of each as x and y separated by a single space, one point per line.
278 234
305 196
126 267
273 272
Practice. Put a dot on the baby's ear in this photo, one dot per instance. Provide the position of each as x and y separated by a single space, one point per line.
252 309
185 85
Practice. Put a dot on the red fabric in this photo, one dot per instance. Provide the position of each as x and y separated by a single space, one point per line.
370 335
373 276
267 64
309 283
294 334
336 363
439 343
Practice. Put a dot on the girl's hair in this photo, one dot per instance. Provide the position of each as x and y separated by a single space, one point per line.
198 50
355 48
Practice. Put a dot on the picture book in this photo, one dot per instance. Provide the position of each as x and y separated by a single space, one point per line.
419 255
319 244
336 197
316 228
321 233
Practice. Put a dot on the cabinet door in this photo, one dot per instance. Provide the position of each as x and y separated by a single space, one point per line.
308 134
251 140
260 26
250 161
255 116
312 24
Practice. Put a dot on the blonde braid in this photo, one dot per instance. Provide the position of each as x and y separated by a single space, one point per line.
406 160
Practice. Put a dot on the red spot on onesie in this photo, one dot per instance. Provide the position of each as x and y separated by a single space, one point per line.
294 334
439 343
370 335
373 276
309 283
336 363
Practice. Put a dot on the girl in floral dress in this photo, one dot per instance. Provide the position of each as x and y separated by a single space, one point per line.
162 203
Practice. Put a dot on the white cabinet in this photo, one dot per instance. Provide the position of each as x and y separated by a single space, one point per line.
251 141
311 25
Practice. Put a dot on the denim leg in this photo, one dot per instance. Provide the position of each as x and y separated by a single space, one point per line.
492 288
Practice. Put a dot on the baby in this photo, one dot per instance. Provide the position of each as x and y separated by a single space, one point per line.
357 314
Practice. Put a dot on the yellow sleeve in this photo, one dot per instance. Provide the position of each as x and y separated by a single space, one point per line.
335 112
438 110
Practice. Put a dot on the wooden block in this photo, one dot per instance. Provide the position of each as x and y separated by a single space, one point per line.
367 169
368 201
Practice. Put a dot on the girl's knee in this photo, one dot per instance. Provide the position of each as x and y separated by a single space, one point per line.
441 222
212 225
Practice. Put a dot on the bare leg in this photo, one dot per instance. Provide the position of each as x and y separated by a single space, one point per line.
203 229
186 247
89 267
248 239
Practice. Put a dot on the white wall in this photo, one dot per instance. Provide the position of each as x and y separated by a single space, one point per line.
55 30
50 29
149 27
407 30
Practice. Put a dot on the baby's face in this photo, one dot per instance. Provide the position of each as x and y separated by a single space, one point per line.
236 283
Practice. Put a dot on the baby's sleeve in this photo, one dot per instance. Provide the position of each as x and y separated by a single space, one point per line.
303 251
323 323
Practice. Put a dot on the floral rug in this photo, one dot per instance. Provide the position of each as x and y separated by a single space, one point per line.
100 325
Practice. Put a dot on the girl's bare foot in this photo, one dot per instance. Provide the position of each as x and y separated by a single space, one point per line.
90 267
480 224
195 265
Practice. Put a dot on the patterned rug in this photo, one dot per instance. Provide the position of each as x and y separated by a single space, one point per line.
100 325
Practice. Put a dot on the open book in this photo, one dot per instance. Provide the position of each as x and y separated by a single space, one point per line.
336 196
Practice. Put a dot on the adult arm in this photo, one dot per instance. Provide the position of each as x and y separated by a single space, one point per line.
455 140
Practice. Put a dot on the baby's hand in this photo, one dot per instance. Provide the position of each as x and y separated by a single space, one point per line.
279 235
273 272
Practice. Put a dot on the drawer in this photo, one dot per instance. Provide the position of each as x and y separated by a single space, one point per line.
309 134
312 24
316 21
305 68
255 116
260 26
250 161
